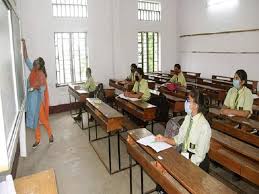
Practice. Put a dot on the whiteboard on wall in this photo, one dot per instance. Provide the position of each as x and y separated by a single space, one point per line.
19 67
7 77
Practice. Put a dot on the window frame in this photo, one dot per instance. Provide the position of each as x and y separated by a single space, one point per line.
146 45
72 63
69 8
147 11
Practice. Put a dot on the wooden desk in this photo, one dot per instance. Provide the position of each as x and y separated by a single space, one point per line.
189 76
252 84
225 85
40 183
215 112
212 92
181 92
80 96
126 85
176 103
111 122
235 155
140 109
177 174
159 79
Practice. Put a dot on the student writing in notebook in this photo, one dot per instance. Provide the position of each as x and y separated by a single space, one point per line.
239 99
140 89
89 86
178 76
37 103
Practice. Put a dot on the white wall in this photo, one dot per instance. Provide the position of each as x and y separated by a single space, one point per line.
112 28
195 17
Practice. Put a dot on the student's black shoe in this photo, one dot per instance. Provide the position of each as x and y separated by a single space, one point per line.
236 177
78 118
51 139
35 145
91 119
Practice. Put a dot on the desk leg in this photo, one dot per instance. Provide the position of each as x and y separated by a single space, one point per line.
70 103
119 151
152 126
82 115
109 145
141 177
89 129
130 173
95 129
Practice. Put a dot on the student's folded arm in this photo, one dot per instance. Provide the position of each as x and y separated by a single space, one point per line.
239 113
202 147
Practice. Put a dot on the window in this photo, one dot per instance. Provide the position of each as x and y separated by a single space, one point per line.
149 11
71 57
148 51
70 8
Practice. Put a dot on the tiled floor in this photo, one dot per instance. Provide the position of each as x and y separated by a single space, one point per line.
78 168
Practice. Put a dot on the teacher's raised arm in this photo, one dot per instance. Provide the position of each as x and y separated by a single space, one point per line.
25 55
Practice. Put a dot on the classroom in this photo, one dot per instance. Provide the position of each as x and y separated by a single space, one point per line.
129 96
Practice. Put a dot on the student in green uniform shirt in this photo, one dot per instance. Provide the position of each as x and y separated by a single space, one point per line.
89 86
133 69
193 140
140 89
239 99
178 77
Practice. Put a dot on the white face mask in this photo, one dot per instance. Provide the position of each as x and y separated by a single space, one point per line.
187 107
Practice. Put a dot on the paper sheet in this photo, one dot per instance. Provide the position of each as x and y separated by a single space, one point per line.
255 96
81 91
7 186
127 98
157 146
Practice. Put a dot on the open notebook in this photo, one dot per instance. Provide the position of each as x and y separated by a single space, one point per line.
150 141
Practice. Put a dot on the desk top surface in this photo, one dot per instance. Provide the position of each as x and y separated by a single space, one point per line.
104 108
241 120
205 87
141 104
194 179
40 183
236 145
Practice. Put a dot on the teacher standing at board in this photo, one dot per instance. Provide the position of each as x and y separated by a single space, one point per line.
37 105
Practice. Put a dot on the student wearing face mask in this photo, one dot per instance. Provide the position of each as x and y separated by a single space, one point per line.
89 86
178 77
140 89
239 99
133 69
193 140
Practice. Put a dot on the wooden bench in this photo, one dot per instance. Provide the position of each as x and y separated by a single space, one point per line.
237 156
40 183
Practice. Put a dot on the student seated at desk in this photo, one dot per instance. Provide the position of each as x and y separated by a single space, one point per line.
194 135
89 86
178 77
239 99
132 75
140 89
